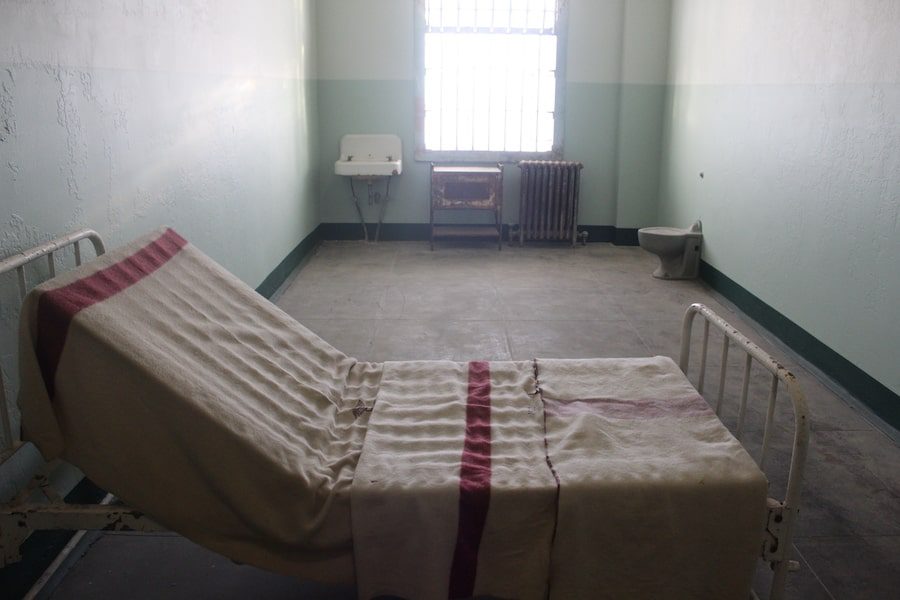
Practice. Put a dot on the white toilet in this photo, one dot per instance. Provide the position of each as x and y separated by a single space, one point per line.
678 250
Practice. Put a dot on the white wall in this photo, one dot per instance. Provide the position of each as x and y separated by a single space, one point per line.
365 40
792 112
127 116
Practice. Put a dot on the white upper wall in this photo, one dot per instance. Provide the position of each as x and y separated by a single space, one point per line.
594 52
143 36
839 42
365 40
645 57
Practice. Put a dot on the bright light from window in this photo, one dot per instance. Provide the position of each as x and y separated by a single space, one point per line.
490 75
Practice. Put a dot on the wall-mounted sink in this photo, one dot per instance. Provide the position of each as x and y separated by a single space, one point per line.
370 155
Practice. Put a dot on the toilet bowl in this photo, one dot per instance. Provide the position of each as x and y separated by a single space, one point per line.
678 250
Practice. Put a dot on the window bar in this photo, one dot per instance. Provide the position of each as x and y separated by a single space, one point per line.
442 64
744 389
524 81
770 414
77 247
474 110
537 116
722 369
505 106
490 104
51 264
458 56
703 356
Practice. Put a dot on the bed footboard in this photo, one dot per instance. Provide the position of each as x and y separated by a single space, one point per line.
776 545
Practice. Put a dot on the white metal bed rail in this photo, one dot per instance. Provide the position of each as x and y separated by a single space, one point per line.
23 472
17 263
782 515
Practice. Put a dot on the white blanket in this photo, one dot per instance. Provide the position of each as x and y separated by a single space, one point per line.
452 496
657 499
175 386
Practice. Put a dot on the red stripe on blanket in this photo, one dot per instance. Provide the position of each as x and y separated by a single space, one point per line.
616 408
474 481
57 308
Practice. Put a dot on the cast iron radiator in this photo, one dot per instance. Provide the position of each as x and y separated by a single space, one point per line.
548 207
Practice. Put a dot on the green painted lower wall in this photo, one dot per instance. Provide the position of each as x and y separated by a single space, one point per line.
799 202
882 401
592 134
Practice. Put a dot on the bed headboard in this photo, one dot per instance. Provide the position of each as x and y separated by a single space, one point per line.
18 263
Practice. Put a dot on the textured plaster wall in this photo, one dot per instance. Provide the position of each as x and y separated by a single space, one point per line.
792 112
125 116
367 85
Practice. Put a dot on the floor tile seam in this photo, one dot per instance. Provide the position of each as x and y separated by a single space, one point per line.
325 281
330 318
472 320
578 320
637 331
888 487
848 536
142 534
812 570
875 430
870 429
439 318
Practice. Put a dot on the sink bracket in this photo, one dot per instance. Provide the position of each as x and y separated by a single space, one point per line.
373 197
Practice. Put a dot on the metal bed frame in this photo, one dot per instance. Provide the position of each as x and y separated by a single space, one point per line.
24 476
777 539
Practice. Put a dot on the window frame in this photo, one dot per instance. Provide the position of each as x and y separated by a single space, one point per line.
490 156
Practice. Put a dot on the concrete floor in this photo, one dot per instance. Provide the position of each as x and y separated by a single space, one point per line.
397 300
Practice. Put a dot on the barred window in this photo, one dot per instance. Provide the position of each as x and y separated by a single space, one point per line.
489 84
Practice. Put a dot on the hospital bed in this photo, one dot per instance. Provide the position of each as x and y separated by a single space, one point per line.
208 410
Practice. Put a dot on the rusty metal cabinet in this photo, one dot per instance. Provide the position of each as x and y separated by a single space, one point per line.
467 188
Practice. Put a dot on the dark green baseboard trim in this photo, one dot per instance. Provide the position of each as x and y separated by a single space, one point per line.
42 547
626 236
419 232
390 232
598 233
882 401
280 274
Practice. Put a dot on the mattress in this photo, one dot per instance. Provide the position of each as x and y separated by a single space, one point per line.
175 386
